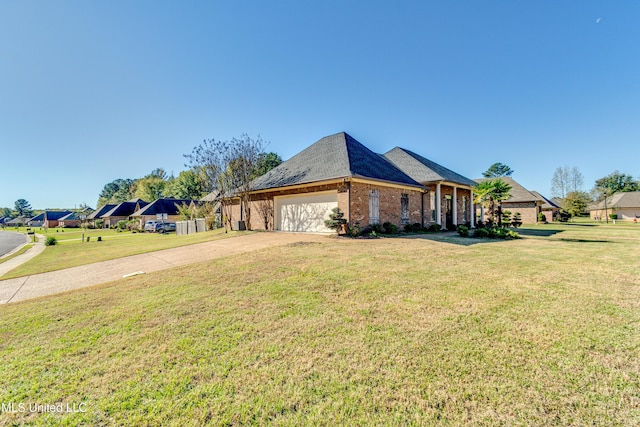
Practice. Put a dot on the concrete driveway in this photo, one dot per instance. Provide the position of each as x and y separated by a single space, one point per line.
37 285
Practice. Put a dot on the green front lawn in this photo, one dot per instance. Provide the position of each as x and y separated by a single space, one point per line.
402 331
71 251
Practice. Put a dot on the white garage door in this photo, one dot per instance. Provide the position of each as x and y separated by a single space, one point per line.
305 213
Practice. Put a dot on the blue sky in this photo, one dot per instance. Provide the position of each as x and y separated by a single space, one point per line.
95 91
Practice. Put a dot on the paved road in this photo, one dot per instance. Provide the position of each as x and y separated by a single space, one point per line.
10 240
23 288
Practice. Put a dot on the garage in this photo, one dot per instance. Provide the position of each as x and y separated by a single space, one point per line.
305 212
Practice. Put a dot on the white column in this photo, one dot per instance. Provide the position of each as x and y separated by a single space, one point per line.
438 205
454 206
473 210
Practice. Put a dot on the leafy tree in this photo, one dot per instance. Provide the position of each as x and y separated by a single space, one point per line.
119 190
22 209
576 202
187 185
497 170
230 168
566 180
5 213
616 182
266 162
150 188
490 192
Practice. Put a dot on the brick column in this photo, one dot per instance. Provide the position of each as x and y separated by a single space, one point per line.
473 209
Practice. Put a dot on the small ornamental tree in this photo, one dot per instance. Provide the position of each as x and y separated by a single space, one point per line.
336 221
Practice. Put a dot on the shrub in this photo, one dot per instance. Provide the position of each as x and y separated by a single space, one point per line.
122 224
377 228
516 221
481 233
613 216
353 231
463 231
542 217
407 228
51 241
99 223
434 228
390 228
336 221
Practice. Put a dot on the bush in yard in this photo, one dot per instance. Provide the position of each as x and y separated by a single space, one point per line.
377 228
390 228
542 217
99 223
463 231
481 233
516 221
122 224
336 220
51 241
434 228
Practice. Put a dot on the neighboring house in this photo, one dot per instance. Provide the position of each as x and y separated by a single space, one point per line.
122 212
36 221
520 200
95 215
168 206
71 220
550 209
17 222
625 205
338 171
52 218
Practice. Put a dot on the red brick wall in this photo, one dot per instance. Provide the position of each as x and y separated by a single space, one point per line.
528 211
390 208
446 190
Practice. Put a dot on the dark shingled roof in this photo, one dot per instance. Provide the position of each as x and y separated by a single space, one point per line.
424 170
547 204
161 206
125 208
332 157
73 216
101 211
518 193
55 215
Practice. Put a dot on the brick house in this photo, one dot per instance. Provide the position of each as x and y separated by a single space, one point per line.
450 194
121 212
338 171
549 208
520 200
102 210
168 206
625 205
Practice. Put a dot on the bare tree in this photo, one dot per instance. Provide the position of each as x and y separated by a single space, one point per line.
229 168
566 180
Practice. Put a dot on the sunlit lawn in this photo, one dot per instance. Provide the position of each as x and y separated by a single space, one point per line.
71 250
435 330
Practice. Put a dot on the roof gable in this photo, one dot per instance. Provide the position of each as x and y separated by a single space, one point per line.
422 169
518 193
125 208
546 203
161 206
55 215
332 157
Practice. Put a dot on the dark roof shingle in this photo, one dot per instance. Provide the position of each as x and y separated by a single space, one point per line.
332 157
424 170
